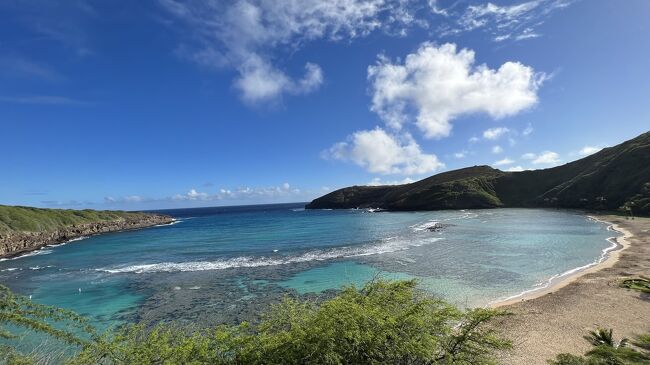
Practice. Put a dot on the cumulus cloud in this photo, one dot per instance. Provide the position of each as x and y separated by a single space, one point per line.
513 22
441 83
505 161
495 133
378 181
261 82
191 195
381 152
515 168
241 193
544 158
589 150
247 35
528 156
497 149
547 158
460 154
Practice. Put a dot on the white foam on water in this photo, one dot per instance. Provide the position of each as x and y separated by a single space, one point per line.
68 241
388 245
174 221
44 250
424 226
41 251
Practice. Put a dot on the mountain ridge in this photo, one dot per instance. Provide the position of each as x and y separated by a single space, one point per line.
615 178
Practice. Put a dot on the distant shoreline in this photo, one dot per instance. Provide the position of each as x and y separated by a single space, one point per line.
608 258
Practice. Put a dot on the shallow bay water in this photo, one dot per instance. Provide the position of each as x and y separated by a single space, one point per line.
227 264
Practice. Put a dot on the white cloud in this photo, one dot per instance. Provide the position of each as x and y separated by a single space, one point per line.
505 161
247 35
383 153
378 181
528 156
241 193
261 82
589 150
442 83
473 140
528 130
547 158
244 195
497 149
460 154
505 22
515 168
191 195
495 133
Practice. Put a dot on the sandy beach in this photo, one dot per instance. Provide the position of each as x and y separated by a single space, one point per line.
555 319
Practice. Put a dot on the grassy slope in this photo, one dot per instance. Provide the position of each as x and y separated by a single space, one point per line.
609 179
27 219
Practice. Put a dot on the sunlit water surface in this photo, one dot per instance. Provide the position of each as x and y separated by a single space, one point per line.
226 264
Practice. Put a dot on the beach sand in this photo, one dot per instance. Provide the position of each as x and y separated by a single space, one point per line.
554 320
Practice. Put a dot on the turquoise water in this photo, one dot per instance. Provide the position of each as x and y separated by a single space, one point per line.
227 264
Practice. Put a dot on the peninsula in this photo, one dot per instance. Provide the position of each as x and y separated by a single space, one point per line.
24 229
616 178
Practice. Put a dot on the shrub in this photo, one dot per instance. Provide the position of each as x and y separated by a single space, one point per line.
383 322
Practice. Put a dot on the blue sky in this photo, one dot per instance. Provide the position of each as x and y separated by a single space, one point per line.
160 104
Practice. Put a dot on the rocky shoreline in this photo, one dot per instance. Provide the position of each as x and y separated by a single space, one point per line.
18 243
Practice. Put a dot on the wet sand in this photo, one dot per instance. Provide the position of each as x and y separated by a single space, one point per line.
554 320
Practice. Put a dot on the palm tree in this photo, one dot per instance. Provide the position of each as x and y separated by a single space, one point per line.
605 337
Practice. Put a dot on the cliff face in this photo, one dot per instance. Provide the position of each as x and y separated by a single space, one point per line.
614 178
13 243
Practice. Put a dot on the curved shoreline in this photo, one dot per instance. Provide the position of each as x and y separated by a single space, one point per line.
556 323
609 257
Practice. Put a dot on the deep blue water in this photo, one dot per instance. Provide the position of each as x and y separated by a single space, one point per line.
226 264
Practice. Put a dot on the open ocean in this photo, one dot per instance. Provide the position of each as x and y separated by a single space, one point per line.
226 264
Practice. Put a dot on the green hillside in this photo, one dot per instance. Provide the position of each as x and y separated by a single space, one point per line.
614 178
27 219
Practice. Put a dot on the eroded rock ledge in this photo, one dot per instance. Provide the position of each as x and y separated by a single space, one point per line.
17 243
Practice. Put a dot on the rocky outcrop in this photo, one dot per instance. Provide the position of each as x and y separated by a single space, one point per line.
17 243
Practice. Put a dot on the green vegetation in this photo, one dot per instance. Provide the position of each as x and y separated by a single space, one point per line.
27 219
641 284
19 314
608 351
381 323
616 178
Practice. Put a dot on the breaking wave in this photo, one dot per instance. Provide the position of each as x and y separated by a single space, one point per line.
424 226
41 251
392 244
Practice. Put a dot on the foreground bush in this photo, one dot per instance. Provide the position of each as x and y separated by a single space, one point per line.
384 322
